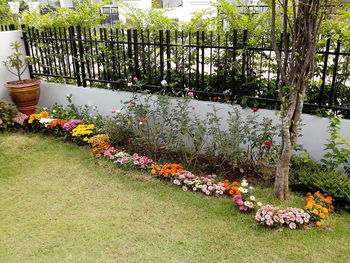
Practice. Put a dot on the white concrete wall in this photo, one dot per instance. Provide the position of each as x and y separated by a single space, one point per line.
314 131
6 38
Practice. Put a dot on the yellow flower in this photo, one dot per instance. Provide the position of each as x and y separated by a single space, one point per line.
318 223
309 206
85 139
315 211
325 210
153 171
322 215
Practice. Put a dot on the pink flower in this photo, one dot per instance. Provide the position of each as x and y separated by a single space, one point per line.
190 94
193 108
254 109
215 98
187 89
135 79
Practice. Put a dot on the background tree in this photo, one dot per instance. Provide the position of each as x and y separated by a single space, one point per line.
301 21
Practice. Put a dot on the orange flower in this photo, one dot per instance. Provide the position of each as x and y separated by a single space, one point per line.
317 194
318 223
226 181
308 194
322 215
98 155
325 194
308 199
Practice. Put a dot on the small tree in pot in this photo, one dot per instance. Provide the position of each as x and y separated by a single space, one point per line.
24 93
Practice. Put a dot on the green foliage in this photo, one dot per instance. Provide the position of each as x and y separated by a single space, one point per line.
165 128
86 14
5 15
14 63
7 113
310 176
86 113
338 148
151 19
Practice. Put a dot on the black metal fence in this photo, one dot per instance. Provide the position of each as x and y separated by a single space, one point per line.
221 66
7 27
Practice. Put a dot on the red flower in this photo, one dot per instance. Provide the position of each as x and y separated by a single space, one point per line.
255 109
268 143
215 98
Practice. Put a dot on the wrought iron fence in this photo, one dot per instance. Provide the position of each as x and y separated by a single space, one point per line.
225 65
7 27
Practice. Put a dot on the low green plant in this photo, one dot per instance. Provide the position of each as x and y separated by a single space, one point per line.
309 176
88 114
7 113
338 148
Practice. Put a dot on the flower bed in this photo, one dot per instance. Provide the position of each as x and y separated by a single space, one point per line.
240 192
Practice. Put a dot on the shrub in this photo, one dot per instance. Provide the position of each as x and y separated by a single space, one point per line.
312 178
7 113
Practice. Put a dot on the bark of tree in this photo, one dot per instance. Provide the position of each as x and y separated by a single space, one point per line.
296 66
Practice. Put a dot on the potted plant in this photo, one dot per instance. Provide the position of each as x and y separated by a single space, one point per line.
23 92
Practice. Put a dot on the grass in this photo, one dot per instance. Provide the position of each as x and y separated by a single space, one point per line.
58 204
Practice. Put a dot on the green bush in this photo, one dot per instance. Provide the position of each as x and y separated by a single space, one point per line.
7 113
309 177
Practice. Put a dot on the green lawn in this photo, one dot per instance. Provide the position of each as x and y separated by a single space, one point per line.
58 204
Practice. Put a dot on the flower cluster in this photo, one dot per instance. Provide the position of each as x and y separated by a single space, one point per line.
100 149
207 185
135 160
98 139
319 206
71 124
54 123
270 216
167 170
21 118
232 187
245 200
110 153
82 130
34 117
142 162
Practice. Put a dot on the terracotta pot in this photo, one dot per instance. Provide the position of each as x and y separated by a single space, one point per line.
25 94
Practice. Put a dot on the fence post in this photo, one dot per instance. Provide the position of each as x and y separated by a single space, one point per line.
12 27
234 72
244 55
168 56
75 54
324 72
27 50
131 68
161 54
81 56
136 55
335 69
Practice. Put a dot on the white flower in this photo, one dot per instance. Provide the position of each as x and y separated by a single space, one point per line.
54 111
44 108
129 84
244 190
244 183
194 189
163 82
95 117
185 188
250 205
140 123
259 204
252 197
250 187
